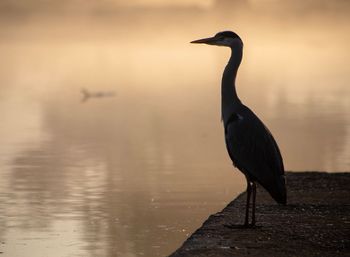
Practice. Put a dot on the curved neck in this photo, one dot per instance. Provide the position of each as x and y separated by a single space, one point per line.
229 98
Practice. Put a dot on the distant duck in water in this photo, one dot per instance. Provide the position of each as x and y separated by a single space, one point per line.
97 94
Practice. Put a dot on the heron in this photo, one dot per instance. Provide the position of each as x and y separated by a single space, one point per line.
250 144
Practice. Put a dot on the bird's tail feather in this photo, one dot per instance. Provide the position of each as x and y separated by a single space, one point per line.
279 192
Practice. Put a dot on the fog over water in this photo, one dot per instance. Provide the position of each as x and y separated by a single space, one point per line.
135 171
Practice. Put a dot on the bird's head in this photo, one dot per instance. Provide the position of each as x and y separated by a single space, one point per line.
224 38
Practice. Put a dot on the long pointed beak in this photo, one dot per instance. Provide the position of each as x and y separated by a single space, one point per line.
209 41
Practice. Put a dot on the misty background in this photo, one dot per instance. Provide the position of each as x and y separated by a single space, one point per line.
136 173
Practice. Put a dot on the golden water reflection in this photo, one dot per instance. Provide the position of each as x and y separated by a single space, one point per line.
134 174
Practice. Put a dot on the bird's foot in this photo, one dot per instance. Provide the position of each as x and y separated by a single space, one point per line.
234 226
251 225
241 226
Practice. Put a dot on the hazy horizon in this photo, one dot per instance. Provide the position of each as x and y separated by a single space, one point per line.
134 174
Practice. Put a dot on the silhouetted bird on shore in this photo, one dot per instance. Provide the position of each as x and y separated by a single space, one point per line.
250 144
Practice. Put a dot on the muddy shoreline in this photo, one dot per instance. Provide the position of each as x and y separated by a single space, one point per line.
315 222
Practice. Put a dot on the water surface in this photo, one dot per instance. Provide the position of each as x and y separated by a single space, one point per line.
135 173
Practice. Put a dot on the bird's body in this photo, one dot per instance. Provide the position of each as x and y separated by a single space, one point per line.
250 145
254 151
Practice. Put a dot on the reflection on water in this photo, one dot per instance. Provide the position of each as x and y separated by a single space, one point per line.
136 173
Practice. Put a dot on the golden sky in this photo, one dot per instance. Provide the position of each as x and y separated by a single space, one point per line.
11 6
111 3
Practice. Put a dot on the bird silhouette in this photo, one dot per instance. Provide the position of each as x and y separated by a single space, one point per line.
249 143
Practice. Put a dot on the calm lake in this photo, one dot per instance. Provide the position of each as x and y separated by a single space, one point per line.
136 166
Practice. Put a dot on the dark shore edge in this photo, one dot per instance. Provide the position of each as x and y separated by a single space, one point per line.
315 222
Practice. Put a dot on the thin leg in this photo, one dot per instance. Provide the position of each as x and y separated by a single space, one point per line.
249 190
253 208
